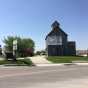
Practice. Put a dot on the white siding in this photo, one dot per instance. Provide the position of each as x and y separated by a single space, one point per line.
54 40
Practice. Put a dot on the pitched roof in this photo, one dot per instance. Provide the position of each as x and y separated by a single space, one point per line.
55 28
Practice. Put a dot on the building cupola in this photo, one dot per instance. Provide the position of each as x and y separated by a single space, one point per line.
55 25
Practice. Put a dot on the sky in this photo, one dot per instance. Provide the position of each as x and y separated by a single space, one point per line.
33 19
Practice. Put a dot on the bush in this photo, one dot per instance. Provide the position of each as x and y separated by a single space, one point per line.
25 61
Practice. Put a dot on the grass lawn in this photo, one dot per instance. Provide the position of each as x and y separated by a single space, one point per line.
66 59
21 62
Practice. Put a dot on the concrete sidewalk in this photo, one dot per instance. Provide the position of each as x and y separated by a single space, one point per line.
39 60
63 64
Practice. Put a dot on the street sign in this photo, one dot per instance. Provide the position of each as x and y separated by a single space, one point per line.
15 45
15 42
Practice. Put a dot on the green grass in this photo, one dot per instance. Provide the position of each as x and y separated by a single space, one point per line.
21 62
66 59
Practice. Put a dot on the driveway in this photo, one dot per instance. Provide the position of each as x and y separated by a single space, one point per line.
39 60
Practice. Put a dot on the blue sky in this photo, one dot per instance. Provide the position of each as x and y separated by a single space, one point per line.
33 18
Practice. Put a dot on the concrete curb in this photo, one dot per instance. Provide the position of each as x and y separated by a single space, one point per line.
63 64
42 65
81 63
49 65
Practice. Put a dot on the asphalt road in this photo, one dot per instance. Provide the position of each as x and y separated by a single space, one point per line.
44 77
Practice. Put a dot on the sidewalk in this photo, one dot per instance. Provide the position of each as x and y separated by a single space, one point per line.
39 60
63 64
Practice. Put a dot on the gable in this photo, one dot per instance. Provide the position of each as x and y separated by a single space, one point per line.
57 31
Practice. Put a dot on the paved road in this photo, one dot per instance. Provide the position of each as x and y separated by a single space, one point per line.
44 77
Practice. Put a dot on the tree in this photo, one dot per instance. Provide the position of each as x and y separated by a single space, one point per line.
25 46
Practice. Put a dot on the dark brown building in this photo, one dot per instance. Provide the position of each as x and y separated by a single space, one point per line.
57 43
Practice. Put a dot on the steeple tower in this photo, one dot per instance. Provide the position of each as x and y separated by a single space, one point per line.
55 25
